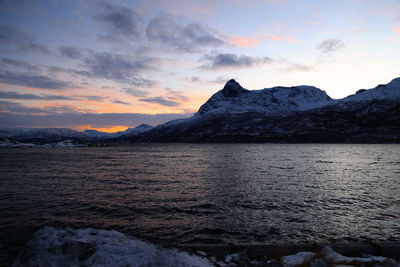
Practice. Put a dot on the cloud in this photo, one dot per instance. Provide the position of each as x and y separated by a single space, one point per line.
18 64
192 37
16 108
243 41
161 101
217 80
121 102
12 107
397 30
72 120
118 67
175 95
93 98
193 79
232 61
70 52
278 38
135 92
20 41
31 80
122 23
13 95
330 45
196 9
298 67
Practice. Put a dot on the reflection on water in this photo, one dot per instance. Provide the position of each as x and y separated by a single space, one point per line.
206 193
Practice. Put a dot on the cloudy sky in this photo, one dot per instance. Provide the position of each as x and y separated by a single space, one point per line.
116 64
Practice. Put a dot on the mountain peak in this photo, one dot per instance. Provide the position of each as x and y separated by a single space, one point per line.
232 88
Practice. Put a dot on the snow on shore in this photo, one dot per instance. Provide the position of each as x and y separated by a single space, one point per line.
90 247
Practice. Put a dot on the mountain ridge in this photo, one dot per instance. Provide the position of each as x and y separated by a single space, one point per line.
278 114
287 114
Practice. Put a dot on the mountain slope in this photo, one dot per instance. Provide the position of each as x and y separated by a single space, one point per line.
288 114
234 98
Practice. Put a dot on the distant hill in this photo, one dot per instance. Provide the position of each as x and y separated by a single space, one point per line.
53 135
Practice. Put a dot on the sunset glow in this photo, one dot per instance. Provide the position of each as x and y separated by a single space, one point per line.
161 60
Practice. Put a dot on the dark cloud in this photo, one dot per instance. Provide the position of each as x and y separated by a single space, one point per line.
20 41
55 69
330 45
161 100
24 8
231 61
121 102
93 98
70 52
122 23
13 95
72 120
192 37
31 80
298 67
135 92
117 67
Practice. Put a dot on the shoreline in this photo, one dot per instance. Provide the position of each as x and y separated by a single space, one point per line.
389 249
90 246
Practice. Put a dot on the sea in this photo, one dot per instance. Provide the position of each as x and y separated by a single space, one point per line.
154 198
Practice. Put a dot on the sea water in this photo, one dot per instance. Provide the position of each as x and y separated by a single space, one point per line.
175 194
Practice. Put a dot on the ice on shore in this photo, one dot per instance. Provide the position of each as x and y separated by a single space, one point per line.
90 247
52 246
298 258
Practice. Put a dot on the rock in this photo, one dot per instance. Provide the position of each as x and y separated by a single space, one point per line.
232 88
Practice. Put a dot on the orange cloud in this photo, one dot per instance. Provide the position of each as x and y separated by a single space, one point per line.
278 38
243 41
397 30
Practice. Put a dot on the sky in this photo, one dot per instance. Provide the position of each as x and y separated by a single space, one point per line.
110 65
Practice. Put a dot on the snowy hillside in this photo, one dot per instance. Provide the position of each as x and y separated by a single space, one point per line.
288 114
234 98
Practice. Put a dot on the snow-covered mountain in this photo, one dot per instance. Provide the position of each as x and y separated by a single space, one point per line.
278 114
42 134
287 114
277 100
53 135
